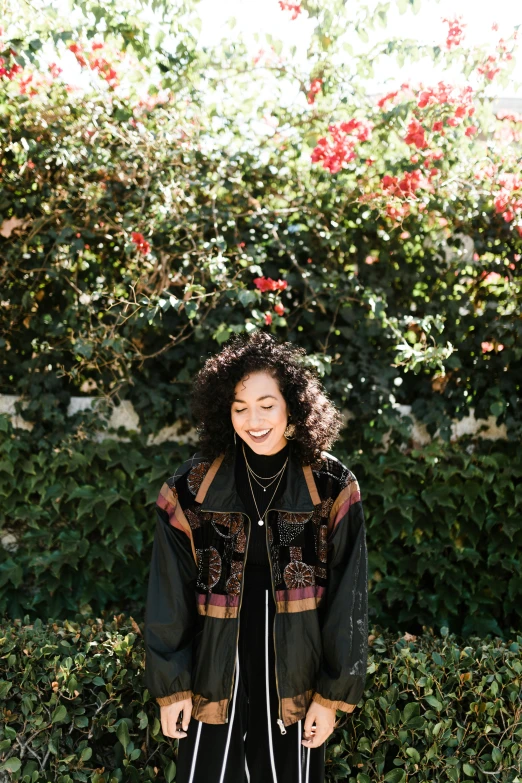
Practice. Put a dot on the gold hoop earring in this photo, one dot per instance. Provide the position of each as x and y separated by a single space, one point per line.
289 433
235 439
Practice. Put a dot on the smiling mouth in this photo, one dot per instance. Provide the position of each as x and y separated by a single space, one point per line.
260 437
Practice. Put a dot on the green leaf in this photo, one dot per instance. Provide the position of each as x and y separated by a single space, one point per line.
11 765
433 702
410 710
413 754
122 732
59 715
468 770
170 772
395 776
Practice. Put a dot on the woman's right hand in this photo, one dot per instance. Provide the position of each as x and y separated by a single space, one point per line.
171 714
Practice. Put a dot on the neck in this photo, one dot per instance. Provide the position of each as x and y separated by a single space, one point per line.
264 464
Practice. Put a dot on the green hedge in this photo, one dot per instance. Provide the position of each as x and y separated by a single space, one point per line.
435 709
444 532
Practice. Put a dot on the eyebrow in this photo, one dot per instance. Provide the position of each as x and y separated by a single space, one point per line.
258 399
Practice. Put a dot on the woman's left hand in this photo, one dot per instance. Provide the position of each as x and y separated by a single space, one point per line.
324 718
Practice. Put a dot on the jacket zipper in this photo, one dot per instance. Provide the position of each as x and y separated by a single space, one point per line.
280 719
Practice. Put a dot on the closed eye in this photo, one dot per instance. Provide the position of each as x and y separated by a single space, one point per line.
265 409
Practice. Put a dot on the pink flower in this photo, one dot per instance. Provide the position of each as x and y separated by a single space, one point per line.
471 130
288 6
455 31
492 277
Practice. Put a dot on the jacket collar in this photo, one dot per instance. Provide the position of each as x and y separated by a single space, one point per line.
218 492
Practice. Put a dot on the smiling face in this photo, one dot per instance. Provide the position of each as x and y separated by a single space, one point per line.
259 406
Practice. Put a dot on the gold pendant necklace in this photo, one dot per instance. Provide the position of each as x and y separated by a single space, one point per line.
261 520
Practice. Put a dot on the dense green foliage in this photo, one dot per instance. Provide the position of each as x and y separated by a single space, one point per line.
434 709
444 534
139 213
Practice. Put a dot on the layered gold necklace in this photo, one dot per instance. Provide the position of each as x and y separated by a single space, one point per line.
250 472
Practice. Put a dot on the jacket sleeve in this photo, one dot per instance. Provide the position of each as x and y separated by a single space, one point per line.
171 612
341 681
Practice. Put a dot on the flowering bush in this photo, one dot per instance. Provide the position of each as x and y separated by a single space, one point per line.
144 222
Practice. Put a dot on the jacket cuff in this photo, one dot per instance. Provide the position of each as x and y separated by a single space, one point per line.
164 701
333 705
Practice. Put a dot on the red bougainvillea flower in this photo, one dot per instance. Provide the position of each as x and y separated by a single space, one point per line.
315 87
489 68
408 185
141 243
288 6
455 32
279 309
268 318
340 149
508 201
397 211
416 135
267 284
98 64
471 130
76 49
450 94
55 70
9 73
492 277
388 97
487 347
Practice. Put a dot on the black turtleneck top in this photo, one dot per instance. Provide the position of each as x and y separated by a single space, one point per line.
264 465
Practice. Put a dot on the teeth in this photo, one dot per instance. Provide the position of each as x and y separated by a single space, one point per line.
258 434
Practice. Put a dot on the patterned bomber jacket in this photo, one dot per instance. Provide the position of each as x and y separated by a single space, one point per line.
316 541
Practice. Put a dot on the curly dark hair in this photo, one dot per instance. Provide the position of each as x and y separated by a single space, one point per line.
317 421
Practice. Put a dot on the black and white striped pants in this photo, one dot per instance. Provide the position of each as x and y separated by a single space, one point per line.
250 748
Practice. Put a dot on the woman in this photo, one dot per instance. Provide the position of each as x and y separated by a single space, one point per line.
256 618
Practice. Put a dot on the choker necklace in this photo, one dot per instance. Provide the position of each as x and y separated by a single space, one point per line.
254 475
261 520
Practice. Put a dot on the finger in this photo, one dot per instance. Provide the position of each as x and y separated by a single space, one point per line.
174 727
185 718
312 743
176 732
308 724
316 739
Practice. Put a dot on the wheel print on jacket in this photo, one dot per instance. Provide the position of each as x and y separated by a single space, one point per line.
298 574
209 567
